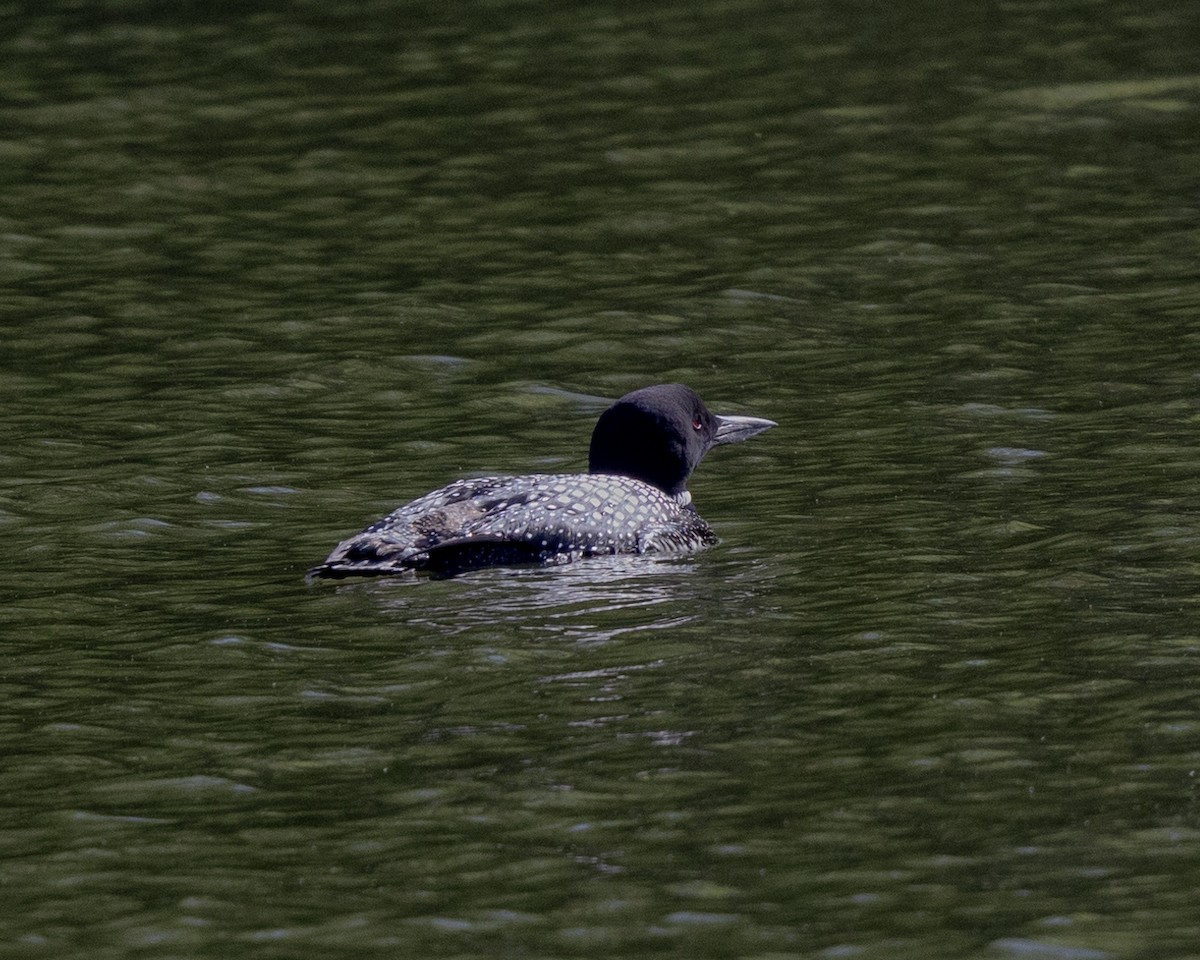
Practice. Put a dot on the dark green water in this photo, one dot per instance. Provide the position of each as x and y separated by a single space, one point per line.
267 273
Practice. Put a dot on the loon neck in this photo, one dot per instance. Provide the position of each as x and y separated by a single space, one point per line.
677 492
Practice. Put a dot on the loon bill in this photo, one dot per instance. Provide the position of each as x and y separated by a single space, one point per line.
633 499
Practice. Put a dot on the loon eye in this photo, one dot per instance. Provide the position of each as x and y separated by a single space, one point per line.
696 424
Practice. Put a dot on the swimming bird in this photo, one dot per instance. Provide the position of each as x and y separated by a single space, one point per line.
633 499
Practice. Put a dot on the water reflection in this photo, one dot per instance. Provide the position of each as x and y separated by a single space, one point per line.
589 601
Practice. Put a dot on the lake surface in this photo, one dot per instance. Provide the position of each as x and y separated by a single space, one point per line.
266 273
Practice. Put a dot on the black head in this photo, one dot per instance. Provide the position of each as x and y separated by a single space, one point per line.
659 434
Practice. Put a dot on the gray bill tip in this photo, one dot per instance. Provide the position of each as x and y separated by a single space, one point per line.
736 429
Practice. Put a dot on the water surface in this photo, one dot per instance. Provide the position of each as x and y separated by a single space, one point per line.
268 273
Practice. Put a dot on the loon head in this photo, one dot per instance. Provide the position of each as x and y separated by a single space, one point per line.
659 434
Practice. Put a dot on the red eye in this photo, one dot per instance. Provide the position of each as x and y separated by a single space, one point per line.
696 424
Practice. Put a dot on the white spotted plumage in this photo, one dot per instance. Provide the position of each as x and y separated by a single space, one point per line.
538 518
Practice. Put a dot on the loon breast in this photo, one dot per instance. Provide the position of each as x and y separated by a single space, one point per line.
536 518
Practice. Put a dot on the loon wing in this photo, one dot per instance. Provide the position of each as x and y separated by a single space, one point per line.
535 518
402 540
480 550
470 523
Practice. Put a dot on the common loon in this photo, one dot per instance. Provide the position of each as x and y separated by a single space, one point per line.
633 499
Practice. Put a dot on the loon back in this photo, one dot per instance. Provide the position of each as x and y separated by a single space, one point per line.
538 518
633 499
